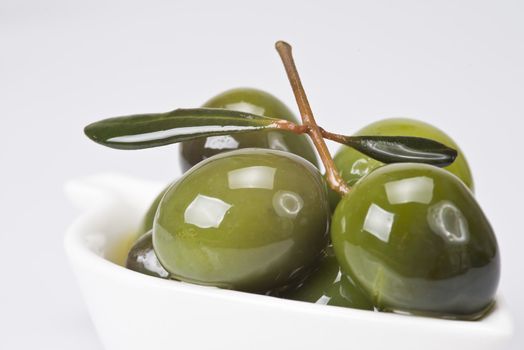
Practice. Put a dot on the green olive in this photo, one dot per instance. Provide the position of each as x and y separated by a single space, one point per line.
251 220
142 258
328 285
353 165
250 101
146 224
413 237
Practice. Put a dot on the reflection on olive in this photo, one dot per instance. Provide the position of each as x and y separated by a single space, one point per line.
251 219
142 258
414 238
329 286
353 165
249 101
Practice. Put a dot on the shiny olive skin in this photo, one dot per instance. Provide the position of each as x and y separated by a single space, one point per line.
329 286
142 258
353 165
252 220
413 237
146 224
251 101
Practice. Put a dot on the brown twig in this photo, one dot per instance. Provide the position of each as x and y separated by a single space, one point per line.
333 177
334 137
290 126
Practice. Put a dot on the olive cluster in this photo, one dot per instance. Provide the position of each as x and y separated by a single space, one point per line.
253 213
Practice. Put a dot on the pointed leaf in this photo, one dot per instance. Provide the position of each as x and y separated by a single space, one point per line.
399 149
152 130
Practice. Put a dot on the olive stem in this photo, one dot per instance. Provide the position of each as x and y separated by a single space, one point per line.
299 129
334 137
333 177
283 124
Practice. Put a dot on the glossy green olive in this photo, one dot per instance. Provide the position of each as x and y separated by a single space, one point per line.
353 165
329 286
252 220
142 258
146 224
250 101
414 238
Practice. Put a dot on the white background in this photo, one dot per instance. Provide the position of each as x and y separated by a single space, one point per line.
64 64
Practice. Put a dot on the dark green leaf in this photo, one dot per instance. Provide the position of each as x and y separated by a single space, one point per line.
399 149
152 130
